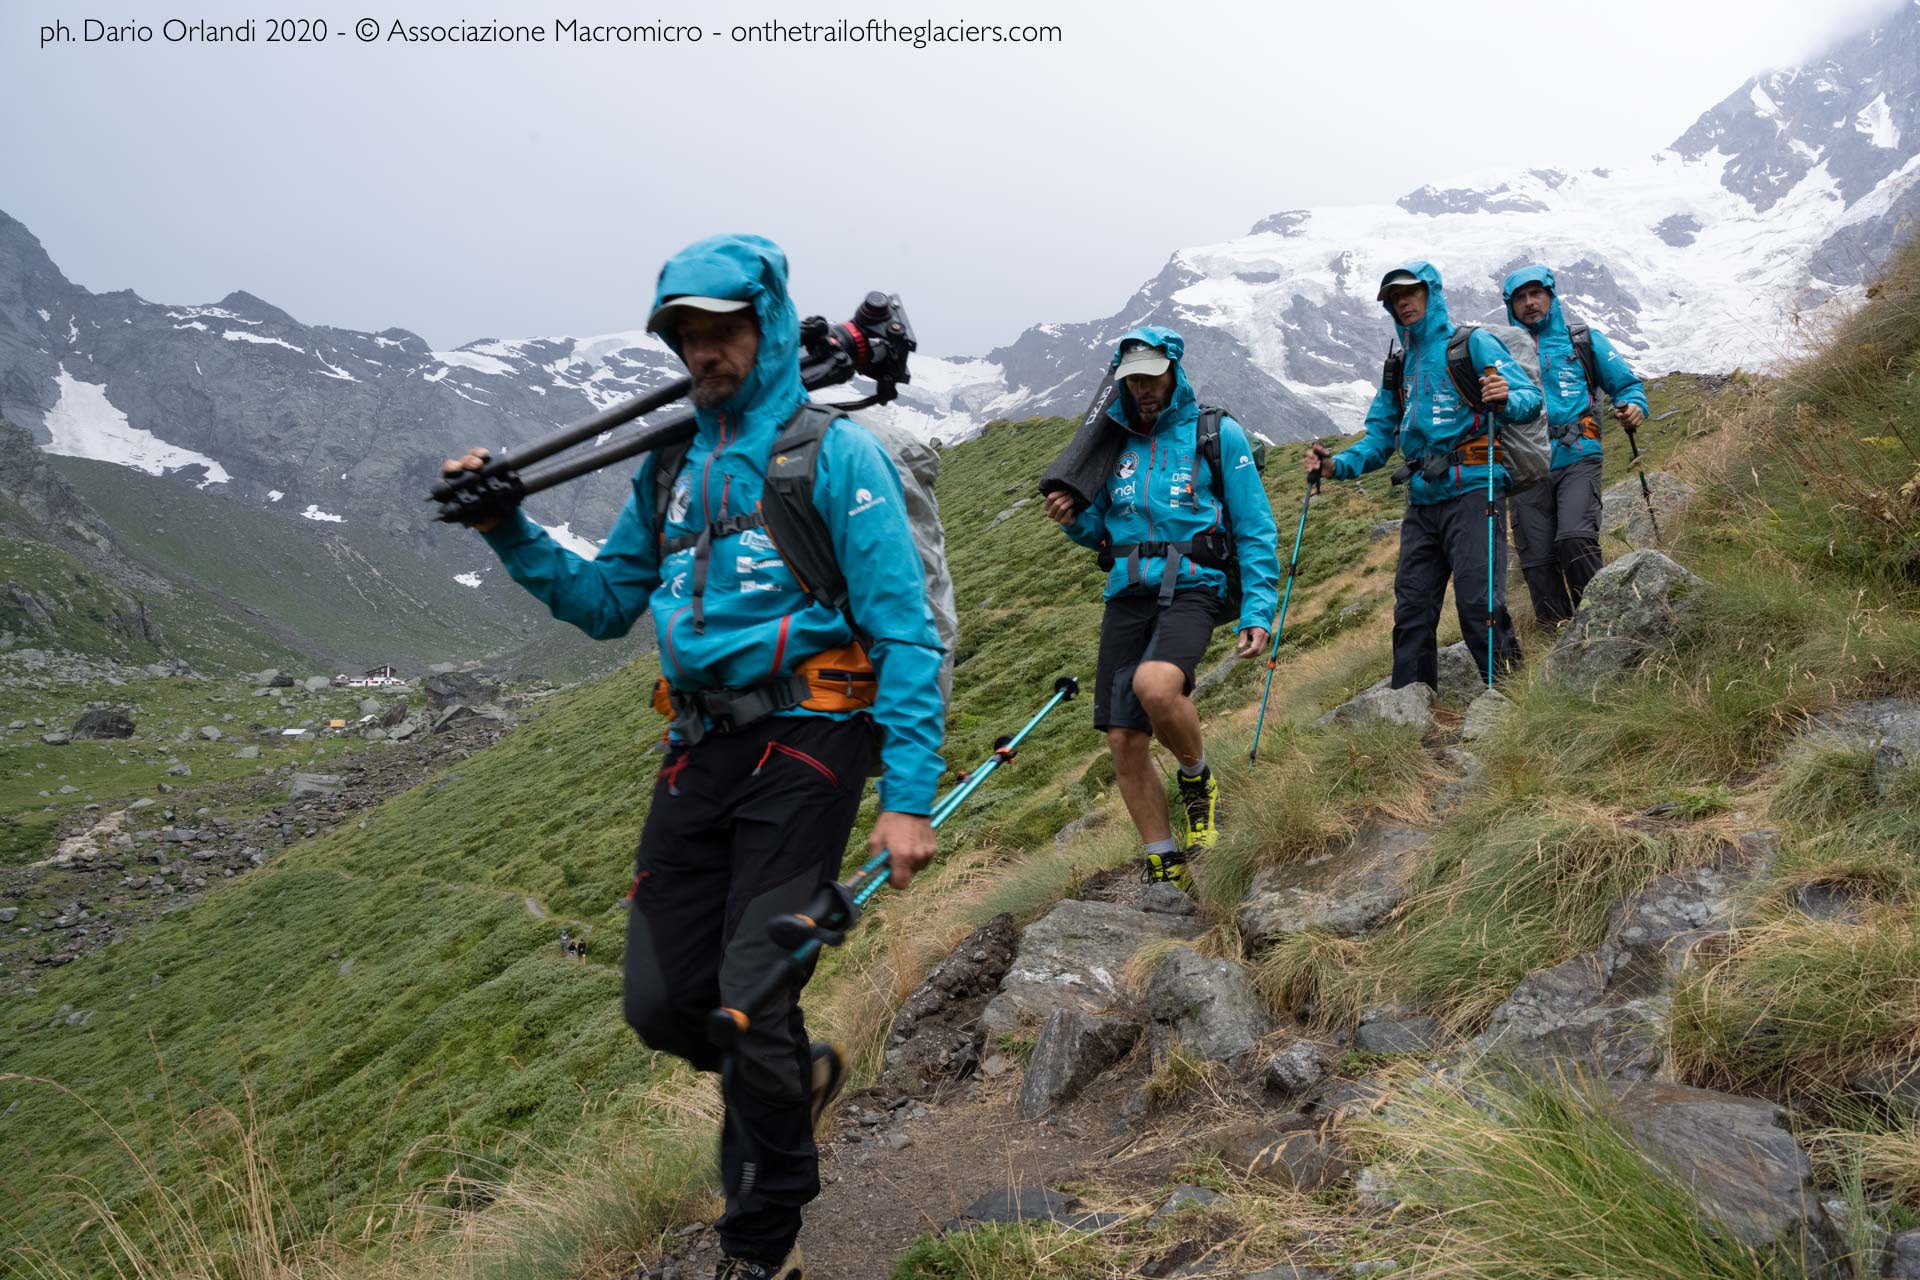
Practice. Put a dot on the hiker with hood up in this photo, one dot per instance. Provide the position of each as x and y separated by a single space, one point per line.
1444 440
779 705
1556 525
1161 495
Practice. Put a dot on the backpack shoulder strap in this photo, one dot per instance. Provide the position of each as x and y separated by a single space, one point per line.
1582 335
1466 378
1207 445
786 503
667 462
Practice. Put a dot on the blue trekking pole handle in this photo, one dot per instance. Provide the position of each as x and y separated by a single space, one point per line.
1273 657
837 907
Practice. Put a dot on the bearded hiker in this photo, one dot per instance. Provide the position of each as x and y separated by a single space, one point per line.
1182 508
1556 525
1439 416
779 704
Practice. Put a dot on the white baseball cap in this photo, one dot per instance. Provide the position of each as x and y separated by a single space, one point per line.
661 318
1397 280
1137 359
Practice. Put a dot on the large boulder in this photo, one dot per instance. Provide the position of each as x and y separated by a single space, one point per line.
1208 1006
1887 727
1074 957
1488 709
1460 678
1073 1049
1735 1155
1623 509
1602 1014
310 786
460 713
446 688
1344 892
1632 611
104 722
1411 705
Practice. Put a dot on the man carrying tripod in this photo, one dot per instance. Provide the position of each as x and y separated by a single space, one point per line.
1440 419
1181 502
777 702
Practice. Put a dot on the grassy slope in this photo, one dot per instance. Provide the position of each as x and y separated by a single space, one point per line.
458 1027
366 600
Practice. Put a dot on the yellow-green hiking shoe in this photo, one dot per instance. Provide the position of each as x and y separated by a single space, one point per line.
1168 868
1200 799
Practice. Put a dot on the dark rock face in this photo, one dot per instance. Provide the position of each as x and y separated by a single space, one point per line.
1208 1006
1074 956
1433 201
1633 609
1345 892
937 1033
104 722
446 688
1678 230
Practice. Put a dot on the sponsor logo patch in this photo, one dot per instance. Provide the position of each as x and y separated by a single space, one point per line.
677 504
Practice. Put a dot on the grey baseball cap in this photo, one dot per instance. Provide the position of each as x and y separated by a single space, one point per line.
664 316
1396 280
1137 359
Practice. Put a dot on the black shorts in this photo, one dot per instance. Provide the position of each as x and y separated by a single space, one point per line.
1135 629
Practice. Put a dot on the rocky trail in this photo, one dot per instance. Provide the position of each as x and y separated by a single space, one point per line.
1111 1068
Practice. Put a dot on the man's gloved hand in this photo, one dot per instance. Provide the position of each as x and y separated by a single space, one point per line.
475 459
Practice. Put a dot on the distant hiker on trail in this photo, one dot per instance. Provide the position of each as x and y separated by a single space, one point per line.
1556 525
1431 419
1182 500
779 705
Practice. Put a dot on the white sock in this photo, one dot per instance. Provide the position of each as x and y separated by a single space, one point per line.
1196 769
1162 846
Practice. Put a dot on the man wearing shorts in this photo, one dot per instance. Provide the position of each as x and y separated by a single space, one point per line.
1168 519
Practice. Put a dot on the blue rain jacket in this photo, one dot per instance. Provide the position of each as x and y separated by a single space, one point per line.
1563 378
1162 491
1437 418
759 623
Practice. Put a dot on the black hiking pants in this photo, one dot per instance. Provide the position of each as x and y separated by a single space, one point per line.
1556 530
1440 541
744 827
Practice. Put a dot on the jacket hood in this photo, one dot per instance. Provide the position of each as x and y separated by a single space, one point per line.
750 269
1436 323
1533 275
1184 402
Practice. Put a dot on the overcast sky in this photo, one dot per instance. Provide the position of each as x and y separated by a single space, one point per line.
485 191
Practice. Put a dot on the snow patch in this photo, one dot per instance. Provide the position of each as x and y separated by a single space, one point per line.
313 512
85 424
1762 104
44 317
193 324
274 495
218 313
241 335
1876 121
467 579
563 534
475 361
333 370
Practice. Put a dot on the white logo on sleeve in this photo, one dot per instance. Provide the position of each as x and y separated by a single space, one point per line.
1246 460
865 501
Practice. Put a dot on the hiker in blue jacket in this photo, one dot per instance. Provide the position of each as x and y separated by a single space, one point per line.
778 703
1161 520
1444 440
1556 525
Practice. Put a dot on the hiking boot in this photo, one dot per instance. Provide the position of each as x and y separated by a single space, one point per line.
1199 798
793 1267
1168 868
829 1073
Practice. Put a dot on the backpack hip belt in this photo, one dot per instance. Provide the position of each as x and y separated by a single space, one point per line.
1473 453
729 710
1212 550
1584 427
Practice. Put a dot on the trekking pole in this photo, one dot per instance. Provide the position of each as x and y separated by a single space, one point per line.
1273 657
1646 494
835 909
1493 442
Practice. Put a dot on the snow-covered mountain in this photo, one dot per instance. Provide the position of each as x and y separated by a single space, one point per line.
1711 254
